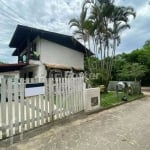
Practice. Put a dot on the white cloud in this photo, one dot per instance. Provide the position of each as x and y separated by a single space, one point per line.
55 15
140 31
45 14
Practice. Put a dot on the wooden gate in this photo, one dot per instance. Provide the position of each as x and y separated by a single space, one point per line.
63 97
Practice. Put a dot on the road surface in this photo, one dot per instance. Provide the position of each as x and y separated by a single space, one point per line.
126 127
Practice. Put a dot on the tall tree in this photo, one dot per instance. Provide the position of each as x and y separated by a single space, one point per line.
120 18
79 23
146 44
103 25
81 31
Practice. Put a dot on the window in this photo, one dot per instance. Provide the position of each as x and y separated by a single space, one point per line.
30 74
33 47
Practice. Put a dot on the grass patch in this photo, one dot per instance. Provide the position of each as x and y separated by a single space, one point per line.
110 99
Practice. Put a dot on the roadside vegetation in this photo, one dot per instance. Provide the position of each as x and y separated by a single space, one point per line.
134 65
1 62
111 99
99 27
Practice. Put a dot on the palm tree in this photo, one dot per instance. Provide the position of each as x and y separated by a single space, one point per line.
84 29
79 24
81 32
103 25
120 19
100 14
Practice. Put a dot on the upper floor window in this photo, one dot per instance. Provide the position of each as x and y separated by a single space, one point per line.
34 48
34 52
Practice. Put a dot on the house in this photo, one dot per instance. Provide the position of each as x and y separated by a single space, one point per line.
47 54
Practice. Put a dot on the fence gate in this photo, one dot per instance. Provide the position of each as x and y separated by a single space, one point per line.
20 111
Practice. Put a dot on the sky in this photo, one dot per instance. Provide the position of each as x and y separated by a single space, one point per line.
54 15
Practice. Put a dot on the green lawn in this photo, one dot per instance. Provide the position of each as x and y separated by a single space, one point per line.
110 99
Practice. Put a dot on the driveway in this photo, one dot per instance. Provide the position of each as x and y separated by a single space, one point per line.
146 90
126 127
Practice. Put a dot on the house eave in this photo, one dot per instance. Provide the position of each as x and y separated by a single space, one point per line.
11 67
23 33
62 67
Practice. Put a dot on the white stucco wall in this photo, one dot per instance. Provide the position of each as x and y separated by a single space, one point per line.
88 95
52 53
38 71
11 74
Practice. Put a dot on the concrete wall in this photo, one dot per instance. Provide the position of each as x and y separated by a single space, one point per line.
135 85
88 95
52 53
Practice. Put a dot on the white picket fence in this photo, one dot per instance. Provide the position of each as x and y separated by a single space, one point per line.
63 97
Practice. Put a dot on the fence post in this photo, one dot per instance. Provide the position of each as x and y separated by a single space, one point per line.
37 107
22 106
10 107
33 107
50 98
46 99
3 107
27 108
42 104
16 95
59 95
63 97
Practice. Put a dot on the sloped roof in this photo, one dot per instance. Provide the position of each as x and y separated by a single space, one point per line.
63 67
22 33
11 67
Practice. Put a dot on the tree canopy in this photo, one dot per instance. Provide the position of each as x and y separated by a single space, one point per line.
135 65
1 62
131 66
100 25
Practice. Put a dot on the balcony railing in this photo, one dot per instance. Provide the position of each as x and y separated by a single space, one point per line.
32 56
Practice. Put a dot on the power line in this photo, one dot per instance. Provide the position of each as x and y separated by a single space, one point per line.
11 14
7 15
12 10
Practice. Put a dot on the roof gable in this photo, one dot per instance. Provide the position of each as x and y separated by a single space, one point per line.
22 33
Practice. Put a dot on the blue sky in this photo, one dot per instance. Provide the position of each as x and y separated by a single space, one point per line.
55 15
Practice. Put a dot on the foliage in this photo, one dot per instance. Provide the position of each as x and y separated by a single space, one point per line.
146 44
110 99
35 55
100 24
95 76
132 71
135 65
1 62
